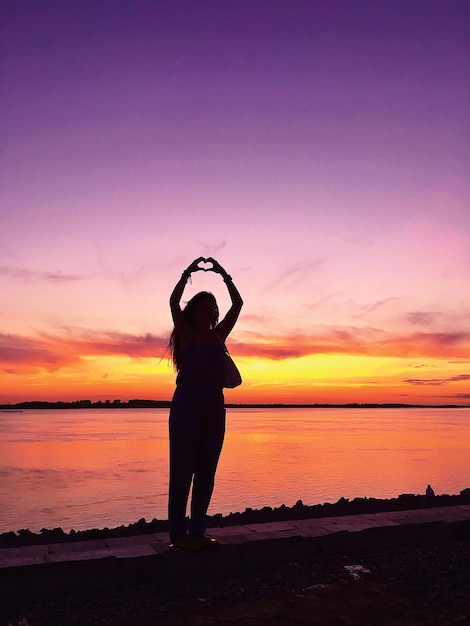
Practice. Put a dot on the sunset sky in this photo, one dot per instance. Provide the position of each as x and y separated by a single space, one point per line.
318 149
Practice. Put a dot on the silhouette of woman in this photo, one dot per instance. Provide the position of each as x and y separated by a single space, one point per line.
197 414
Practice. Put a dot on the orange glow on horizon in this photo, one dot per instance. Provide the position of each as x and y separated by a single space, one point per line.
331 379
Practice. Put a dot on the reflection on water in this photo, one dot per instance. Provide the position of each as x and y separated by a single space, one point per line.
94 468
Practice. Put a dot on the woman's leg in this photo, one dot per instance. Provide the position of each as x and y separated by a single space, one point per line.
206 465
183 454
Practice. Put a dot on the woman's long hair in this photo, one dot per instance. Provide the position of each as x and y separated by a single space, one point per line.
189 310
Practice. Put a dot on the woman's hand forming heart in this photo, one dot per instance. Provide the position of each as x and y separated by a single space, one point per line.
216 267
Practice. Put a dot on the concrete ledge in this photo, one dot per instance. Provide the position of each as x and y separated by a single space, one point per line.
34 572
34 582
269 551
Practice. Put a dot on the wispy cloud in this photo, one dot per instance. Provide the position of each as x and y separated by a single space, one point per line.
52 352
209 249
34 276
421 366
116 343
354 341
459 377
33 352
370 308
421 318
437 382
298 270
432 344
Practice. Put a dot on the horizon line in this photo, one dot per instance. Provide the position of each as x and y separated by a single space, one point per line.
147 403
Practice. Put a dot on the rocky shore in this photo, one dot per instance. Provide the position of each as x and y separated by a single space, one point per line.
24 537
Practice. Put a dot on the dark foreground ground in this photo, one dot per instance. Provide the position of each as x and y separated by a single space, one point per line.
426 586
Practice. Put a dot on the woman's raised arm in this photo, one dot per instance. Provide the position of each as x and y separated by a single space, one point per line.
180 323
225 326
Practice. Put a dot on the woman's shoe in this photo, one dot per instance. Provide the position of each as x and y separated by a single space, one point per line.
205 541
190 544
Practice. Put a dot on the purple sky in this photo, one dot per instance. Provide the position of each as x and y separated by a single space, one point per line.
320 150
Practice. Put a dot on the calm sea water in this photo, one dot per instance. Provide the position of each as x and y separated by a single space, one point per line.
95 468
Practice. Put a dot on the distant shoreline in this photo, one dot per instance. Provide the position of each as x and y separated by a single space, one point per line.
165 404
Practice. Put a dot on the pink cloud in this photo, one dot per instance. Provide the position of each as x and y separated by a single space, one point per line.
349 340
436 382
115 343
32 353
51 352
33 276
355 340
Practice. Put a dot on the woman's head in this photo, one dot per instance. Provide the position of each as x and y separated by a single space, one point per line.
201 313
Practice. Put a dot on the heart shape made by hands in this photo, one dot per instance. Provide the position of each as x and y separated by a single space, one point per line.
205 265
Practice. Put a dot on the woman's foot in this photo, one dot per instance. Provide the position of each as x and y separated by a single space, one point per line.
190 544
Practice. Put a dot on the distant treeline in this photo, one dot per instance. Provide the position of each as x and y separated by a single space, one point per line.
164 404
88 404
